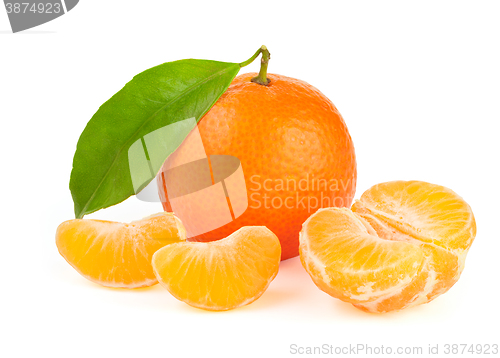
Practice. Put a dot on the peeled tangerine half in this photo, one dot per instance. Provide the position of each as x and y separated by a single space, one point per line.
115 254
220 275
402 244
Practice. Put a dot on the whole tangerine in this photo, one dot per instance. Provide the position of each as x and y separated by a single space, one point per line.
295 151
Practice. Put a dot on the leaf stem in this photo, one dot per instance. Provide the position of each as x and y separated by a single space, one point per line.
250 60
261 78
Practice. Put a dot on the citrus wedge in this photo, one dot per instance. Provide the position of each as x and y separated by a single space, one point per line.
220 275
402 244
115 254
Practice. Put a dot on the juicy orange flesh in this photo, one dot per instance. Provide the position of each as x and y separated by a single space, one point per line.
430 213
116 254
402 244
223 274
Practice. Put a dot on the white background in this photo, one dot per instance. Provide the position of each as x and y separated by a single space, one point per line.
418 84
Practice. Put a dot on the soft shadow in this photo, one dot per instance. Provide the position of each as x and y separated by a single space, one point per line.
349 311
271 298
97 286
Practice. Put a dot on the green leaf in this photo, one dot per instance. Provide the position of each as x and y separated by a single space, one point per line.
143 124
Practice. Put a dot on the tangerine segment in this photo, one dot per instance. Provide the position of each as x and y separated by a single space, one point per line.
403 244
223 274
338 248
430 213
116 254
